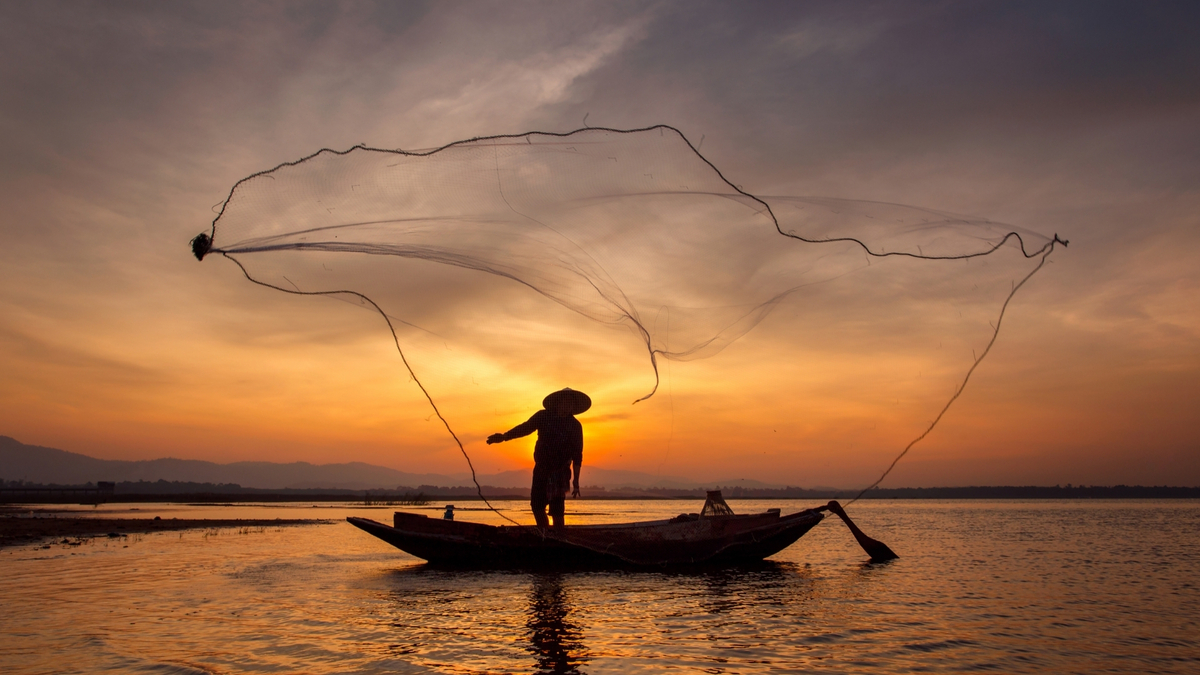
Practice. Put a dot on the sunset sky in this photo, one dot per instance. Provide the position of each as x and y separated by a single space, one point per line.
125 124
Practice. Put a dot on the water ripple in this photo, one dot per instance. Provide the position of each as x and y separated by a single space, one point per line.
1013 587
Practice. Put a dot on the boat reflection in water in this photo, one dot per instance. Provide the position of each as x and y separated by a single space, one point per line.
555 639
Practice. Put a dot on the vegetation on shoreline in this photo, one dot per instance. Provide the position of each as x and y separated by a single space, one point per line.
16 492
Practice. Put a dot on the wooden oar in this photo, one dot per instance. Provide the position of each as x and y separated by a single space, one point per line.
878 550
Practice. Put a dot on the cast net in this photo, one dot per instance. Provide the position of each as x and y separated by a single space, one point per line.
630 229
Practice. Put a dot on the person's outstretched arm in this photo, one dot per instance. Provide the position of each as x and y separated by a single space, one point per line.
523 429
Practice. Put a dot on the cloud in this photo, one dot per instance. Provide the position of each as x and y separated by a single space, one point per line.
124 123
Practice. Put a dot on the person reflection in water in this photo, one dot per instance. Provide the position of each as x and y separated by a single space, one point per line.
555 640
559 448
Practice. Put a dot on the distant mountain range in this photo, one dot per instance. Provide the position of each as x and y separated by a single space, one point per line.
37 464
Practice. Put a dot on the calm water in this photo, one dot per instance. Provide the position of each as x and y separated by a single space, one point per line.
1086 587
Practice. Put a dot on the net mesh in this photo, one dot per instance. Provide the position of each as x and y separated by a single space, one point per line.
622 227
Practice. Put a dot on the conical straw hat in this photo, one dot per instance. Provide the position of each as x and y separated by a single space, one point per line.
576 402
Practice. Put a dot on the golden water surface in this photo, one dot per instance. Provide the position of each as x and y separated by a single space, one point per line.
1002 586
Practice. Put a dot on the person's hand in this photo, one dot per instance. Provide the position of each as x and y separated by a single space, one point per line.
495 438
575 489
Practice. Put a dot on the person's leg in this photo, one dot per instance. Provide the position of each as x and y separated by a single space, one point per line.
539 514
538 499
558 508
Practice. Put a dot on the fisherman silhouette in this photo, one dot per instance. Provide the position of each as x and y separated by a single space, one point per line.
559 446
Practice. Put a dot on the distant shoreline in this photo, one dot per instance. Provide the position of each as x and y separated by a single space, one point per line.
76 478
69 531
192 493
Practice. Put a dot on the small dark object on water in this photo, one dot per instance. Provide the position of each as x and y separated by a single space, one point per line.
714 505
158 517
878 550
114 535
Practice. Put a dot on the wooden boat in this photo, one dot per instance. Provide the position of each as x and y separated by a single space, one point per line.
704 538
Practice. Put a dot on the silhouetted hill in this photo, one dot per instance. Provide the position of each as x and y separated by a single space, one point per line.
35 464
49 465
38 464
